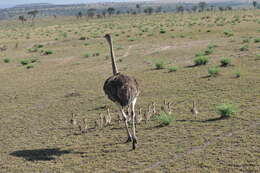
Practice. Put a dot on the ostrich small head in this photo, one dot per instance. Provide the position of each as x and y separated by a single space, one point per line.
108 37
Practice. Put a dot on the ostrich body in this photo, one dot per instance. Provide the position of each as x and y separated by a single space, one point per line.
123 91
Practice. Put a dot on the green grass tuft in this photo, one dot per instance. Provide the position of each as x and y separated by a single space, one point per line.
226 110
165 119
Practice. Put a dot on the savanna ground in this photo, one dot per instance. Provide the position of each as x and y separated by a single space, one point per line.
37 99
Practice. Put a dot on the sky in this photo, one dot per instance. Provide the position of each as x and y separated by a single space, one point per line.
10 3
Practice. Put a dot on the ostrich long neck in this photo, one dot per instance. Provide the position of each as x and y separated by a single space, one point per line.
114 67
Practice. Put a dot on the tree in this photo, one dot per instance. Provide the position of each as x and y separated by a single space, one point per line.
138 6
254 4
202 5
22 19
221 8
104 12
148 10
180 9
110 11
158 10
91 12
228 8
194 8
79 15
33 14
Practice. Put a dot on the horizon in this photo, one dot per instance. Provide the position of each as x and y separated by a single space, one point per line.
13 3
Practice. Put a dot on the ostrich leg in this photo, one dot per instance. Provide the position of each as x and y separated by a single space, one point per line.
129 139
133 119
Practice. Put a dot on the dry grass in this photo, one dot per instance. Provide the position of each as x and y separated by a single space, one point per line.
36 103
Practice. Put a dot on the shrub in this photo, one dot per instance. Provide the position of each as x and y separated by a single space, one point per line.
202 60
33 60
237 74
208 51
200 54
25 61
7 60
159 65
86 55
34 49
226 110
211 46
165 119
29 66
173 69
246 40
47 52
257 57
162 31
244 48
86 44
214 71
257 40
225 62
82 38
229 33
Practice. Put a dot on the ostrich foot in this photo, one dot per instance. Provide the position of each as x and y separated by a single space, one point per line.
134 142
129 139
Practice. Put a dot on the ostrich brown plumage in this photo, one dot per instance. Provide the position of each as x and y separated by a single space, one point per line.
123 91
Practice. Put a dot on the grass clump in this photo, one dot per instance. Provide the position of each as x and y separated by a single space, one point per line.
237 74
47 52
201 60
244 48
208 51
226 110
7 60
159 65
225 62
162 31
198 54
228 33
213 72
165 119
29 66
25 61
257 40
173 69
87 55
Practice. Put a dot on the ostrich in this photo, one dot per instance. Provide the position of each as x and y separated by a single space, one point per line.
123 91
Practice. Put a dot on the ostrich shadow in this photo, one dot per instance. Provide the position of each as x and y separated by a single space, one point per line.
40 154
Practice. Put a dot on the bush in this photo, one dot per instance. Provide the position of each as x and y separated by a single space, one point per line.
173 69
47 52
226 110
225 62
229 33
25 61
159 65
237 74
162 31
214 71
257 40
244 48
82 38
198 54
87 55
7 60
165 119
208 51
202 60
29 66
